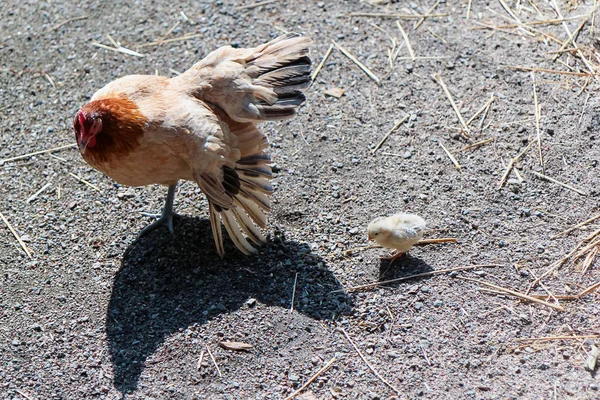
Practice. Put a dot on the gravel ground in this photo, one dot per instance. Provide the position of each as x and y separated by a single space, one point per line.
97 313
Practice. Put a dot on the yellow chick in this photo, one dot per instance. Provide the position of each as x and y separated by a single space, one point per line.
398 231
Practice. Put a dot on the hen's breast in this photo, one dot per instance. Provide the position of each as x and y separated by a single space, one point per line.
145 165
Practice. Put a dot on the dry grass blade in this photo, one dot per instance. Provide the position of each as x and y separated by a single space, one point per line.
235 346
513 15
16 235
355 61
37 152
559 183
538 117
405 278
469 9
387 135
590 289
405 37
520 295
80 179
589 259
294 292
579 225
312 379
381 378
439 80
254 5
325 57
200 359
477 144
419 22
166 35
549 71
456 164
571 39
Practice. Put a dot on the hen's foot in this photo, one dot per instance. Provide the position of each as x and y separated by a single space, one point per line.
165 219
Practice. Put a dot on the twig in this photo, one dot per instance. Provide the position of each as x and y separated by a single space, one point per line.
312 379
579 225
431 273
294 292
433 7
538 116
469 9
38 152
80 179
456 164
254 5
477 144
550 71
316 71
571 39
590 289
381 378
439 80
36 194
57 26
166 35
214 361
396 126
433 241
360 65
514 293
405 37
558 183
16 235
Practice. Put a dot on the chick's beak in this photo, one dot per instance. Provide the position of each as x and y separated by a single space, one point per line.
369 236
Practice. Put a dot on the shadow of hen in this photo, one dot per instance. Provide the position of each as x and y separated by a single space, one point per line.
168 282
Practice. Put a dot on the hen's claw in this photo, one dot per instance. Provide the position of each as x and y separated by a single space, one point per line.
166 218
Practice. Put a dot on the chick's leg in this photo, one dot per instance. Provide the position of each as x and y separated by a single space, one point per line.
393 257
166 217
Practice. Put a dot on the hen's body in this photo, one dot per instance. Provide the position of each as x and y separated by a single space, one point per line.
200 126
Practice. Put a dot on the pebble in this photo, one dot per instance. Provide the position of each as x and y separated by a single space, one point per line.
407 154
438 303
418 305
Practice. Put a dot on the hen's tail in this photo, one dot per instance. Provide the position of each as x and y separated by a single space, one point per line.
258 84
249 187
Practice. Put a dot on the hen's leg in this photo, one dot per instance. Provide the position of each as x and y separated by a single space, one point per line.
166 218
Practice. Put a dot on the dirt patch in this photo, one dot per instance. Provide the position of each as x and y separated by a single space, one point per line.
98 313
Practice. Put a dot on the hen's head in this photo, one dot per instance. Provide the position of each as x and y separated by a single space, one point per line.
87 125
108 126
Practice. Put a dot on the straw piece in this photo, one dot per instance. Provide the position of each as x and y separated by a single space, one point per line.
514 293
548 338
477 144
16 235
405 37
316 71
512 163
439 80
404 278
550 71
80 179
558 183
579 225
456 164
119 49
36 194
57 26
381 378
395 15
38 152
312 379
355 60
482 109
433 7
396 126
254 5
434 241
538 117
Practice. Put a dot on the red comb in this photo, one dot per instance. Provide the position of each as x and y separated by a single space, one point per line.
82 118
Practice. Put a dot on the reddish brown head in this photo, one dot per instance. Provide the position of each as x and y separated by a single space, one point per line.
108 127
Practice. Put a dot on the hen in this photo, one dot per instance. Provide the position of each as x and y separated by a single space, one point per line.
398 231
200 126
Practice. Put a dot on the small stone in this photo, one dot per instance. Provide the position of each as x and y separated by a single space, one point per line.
438 303
409 68
294 378
407 154
526 212
418 305
50 129
453 274
594 386
16 342
479 273
72 205
353 231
